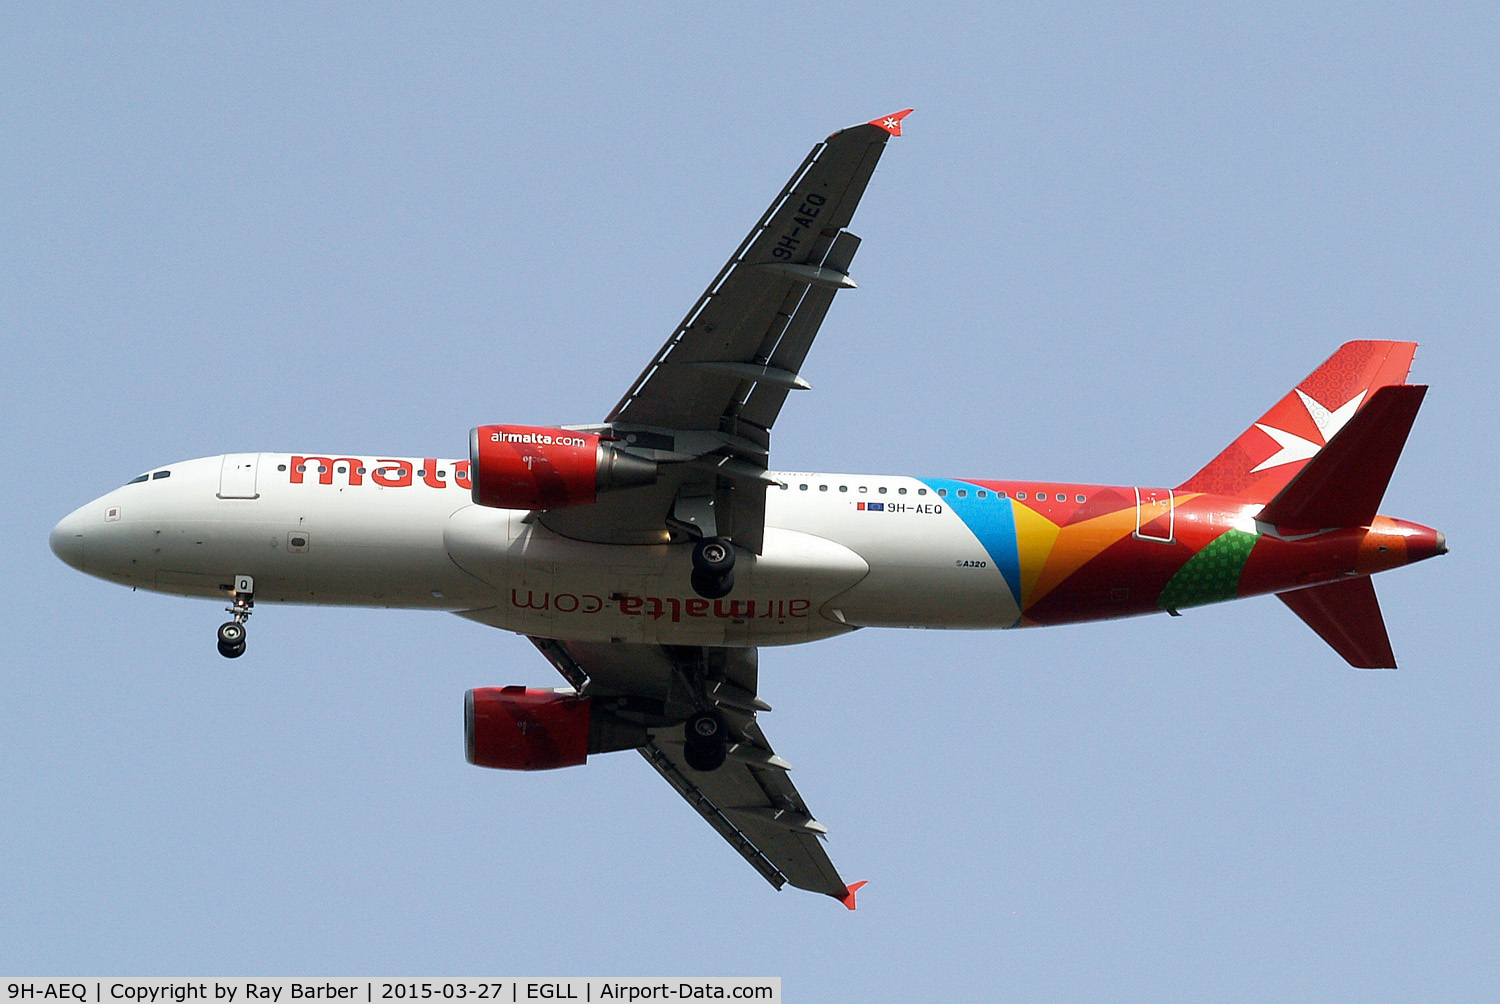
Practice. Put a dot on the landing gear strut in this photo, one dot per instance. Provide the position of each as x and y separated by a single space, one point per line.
713 568
232 632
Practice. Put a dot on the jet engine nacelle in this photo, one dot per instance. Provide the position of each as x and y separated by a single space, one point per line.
518 728
522 729
526 467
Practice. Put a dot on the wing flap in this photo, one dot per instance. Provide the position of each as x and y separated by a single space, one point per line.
757 810
706 808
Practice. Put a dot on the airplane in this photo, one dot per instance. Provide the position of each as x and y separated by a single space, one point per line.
648 557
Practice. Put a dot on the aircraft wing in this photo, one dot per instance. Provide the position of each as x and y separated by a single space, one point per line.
729 365
750 800
709 397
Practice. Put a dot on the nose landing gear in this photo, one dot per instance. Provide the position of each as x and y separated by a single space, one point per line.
232 640
232 632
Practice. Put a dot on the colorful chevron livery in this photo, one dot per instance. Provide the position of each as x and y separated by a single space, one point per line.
1288 508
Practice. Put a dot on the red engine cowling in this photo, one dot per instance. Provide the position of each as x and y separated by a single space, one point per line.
522 729
527 467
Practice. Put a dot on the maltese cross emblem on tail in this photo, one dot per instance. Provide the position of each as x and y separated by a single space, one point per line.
1292 446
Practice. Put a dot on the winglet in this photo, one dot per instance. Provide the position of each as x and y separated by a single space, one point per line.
848 897
892 125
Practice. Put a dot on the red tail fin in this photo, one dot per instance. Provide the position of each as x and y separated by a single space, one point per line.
1346 615
1260 463
1343 484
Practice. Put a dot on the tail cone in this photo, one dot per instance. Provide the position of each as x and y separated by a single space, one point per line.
1422 542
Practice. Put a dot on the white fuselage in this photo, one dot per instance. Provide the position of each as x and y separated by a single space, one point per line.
840 551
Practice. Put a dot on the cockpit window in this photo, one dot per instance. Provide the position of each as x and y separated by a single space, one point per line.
136 481
161 474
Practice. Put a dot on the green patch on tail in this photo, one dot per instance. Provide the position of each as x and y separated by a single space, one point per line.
1211 575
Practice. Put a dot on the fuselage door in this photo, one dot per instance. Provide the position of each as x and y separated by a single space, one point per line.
237 476
1155 515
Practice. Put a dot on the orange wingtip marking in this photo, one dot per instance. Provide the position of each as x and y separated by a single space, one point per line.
892 125
848 897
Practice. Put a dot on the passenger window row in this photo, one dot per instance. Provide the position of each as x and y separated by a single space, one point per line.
863 489
399 472
943 493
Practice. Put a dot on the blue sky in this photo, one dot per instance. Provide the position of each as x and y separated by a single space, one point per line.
1109 239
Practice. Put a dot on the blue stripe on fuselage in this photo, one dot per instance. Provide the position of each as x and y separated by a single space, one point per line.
992 521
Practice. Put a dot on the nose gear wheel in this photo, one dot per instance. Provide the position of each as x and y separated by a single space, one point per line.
231 634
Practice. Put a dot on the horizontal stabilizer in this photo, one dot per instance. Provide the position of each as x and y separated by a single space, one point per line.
1346 615
1343 484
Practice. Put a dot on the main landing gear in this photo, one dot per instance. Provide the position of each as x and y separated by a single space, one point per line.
232 632
714 710
713 568
706 741
713 556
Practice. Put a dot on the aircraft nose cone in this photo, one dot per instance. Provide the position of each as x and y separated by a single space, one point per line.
67 539
1442 542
